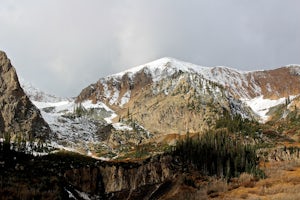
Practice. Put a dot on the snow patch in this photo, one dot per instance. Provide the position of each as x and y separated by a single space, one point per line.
269 89
122 127
71 196
125 99
109 119
83 195
262 106
294 69
114 97
106 90
89 104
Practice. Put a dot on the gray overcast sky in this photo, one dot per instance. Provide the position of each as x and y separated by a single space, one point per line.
61 46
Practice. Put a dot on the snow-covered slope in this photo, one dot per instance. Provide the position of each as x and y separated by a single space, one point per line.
74 130
261 106
84 127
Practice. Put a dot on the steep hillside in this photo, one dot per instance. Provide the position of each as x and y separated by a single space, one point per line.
171 96
271 84
277 83
18 116
166 96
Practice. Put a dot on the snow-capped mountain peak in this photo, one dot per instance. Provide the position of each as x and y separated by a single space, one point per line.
35 94
167 66
161 68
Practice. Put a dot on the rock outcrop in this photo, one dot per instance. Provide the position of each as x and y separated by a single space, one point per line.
123 179
278 83
72 176
18 116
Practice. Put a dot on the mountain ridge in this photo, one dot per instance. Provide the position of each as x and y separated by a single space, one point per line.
241 84
160 100
158 70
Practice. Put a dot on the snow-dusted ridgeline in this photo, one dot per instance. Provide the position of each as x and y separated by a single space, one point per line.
241 84
36 94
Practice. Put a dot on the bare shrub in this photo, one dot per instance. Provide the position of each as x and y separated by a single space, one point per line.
244 196
246 180
216 187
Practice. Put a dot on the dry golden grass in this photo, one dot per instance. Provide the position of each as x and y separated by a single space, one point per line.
283 182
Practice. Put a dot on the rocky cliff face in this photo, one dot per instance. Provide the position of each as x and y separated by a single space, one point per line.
64 175
123 180
278 83
18 116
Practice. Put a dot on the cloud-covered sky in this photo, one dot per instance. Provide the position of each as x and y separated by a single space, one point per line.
61 46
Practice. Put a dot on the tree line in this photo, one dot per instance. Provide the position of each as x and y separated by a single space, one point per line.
218 153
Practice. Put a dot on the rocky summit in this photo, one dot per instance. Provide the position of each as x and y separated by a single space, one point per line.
18 116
